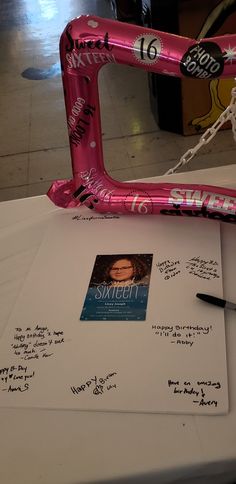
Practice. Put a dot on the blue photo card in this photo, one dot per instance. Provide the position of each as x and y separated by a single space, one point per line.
118 288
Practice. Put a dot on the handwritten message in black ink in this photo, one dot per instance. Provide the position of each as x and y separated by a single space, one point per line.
203 392
196 266
169 268
182 334
33 343
96 385
15 378
95 217
204 269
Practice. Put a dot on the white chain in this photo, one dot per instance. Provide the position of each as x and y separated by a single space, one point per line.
228 115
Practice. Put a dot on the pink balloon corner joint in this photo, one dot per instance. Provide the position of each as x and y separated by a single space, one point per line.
87 44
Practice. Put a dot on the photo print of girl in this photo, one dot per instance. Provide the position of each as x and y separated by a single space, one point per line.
122 269
118 288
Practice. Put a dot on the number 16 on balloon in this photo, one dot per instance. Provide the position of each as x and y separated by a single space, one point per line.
147 48
139 203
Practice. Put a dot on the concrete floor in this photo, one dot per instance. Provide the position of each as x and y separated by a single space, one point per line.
34 147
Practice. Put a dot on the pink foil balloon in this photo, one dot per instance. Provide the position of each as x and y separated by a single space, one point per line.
88 43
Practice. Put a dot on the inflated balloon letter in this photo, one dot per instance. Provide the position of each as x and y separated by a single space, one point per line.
87 44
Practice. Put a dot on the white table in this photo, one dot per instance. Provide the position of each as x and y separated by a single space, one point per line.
70 447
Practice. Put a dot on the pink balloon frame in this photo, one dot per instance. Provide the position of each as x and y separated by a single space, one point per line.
87 44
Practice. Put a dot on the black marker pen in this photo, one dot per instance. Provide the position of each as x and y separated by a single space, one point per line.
216 301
